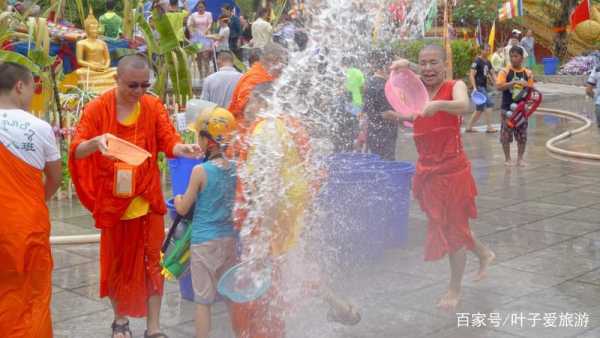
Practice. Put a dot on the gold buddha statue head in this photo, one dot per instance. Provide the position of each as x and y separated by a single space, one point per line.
91 25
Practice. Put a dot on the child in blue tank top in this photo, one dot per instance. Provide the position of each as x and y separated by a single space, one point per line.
212 187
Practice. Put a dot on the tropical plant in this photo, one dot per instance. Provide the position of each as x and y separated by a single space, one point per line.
463 53
469 12
167 56
559 11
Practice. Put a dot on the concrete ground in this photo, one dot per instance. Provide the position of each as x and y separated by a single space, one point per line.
543 222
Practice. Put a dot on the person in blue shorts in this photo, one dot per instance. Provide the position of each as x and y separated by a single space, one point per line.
482 73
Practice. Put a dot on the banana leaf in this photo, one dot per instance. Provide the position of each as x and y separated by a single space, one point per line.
147 32
160 84
8 56
80 10
40 58
193 48
183 77
128 19
168 39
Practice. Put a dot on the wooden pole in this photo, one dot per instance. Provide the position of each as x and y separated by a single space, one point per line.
446 38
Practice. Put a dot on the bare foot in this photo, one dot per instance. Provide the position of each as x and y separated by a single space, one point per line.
343 312
521 163
509 163
484 263
449 301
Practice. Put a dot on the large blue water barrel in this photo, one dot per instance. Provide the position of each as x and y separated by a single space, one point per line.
396 198
180 169
351 217
550 65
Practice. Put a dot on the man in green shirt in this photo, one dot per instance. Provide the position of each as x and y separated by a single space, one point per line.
177 18
110 22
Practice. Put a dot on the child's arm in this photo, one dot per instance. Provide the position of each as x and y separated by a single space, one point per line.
184 202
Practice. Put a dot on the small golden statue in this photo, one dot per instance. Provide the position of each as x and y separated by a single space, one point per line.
95 74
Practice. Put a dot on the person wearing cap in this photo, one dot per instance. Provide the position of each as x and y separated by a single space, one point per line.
212 188
126 201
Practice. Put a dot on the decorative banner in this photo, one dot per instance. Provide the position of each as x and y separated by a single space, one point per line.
492 38
478 37
581 13
510 9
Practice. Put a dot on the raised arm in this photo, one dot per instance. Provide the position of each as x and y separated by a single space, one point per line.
458 106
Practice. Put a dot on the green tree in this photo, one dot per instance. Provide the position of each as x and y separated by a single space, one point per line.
560 12
470 12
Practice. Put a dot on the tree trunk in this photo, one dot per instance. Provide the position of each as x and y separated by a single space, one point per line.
561 42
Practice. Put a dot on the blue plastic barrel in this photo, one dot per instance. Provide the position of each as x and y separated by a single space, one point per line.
185 287
350 160
181 169
352 216
550 65
396 198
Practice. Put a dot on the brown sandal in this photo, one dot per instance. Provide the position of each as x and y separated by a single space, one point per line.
121 329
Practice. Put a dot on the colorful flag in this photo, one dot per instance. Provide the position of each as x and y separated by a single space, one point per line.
580 14
478 37
492 38
431 16
510 9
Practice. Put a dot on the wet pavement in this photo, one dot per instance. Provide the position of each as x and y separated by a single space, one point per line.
543 222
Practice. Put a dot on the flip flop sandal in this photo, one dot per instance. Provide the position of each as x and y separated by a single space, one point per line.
470 131
349 318
121 329
492 131
156 335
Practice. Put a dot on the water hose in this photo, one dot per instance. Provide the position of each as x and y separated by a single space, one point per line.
551 143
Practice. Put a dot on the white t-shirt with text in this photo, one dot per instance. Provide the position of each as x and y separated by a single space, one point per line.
28 137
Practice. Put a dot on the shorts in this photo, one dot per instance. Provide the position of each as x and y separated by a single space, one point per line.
209 261
489 103
507 133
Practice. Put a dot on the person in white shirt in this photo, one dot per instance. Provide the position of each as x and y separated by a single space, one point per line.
30 173
592 89
262 31
222 39
27 137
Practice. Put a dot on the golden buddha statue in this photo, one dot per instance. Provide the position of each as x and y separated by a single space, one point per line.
95 74
589 30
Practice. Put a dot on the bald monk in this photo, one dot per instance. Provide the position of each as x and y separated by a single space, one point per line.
272 61
130 215
443 183
28 153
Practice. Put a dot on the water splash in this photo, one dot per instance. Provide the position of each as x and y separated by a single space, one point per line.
341 34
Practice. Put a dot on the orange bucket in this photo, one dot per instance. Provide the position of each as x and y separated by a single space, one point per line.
126 151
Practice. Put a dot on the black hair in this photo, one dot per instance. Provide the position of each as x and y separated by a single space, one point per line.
227 7
110 5
516 49
174 2
379 58
201 2
263 12
11 73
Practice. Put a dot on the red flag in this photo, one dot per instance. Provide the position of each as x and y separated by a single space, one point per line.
580 14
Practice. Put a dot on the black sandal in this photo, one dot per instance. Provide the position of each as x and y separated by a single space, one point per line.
121 329
156 335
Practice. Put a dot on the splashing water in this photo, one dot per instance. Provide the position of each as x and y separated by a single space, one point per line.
341 34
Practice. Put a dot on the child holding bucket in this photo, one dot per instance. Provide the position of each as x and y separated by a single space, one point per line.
212 187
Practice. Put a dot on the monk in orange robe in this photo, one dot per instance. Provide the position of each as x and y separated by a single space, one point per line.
28 153
130 220
267 69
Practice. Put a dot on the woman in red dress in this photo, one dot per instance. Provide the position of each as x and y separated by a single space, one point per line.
443 183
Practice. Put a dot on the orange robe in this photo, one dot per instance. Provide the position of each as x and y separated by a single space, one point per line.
256 75
259 319
25 256
129 249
